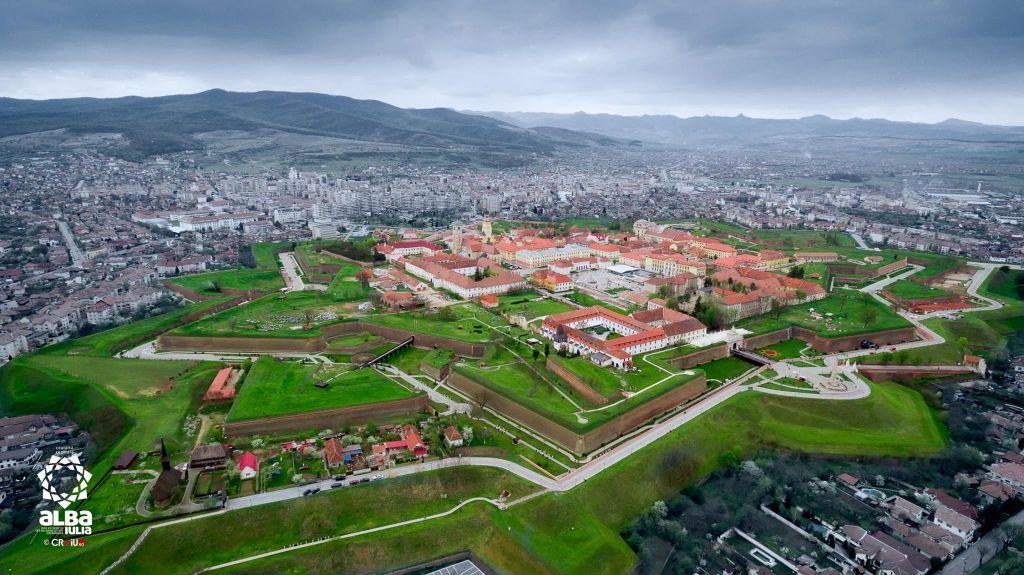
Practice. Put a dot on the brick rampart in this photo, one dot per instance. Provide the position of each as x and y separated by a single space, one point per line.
575 381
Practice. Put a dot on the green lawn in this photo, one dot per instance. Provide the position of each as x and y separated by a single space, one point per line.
725 369
126 404
531 304
264 254
606 381
212 283
455 322
847 317
275 387
196 543
784 349
345 286
275 315
353 340
563 533
438 358
907 289
113 504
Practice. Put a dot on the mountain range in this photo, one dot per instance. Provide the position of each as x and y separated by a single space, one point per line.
742 130
317 127
169 124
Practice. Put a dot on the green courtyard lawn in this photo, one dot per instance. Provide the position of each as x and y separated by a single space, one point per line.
784 349
275 387
517 382
275 315
908 289
847 317
607 381
245 279
531 304
454 322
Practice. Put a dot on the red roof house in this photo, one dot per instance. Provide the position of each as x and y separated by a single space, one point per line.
248 465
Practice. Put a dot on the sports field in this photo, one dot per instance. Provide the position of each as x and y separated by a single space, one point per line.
275 315
275 387
848 317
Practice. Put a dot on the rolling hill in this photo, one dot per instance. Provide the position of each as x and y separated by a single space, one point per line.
169 124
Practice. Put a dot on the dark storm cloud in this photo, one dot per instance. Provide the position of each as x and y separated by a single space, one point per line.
906 60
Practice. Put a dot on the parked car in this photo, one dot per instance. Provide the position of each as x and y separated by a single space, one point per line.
339 477
379 476
337 484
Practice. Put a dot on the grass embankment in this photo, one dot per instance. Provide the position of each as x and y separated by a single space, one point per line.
245 279
545 393
345 286
455 322
275 387
125 404
573 532
275 315
108 342
577 531
848 317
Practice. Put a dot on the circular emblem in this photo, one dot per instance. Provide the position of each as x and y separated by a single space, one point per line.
53 471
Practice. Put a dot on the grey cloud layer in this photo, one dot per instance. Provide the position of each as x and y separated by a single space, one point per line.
903 60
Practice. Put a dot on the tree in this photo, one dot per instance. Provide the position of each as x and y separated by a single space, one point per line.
776 308
963 344
868 314
536 354
796 272
547 349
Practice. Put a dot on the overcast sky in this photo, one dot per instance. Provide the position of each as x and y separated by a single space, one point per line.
897 59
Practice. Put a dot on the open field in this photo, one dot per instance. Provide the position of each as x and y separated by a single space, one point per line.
213 283
275 315
912 290
284 387
847 317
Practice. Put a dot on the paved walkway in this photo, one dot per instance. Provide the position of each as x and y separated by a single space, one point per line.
77 257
